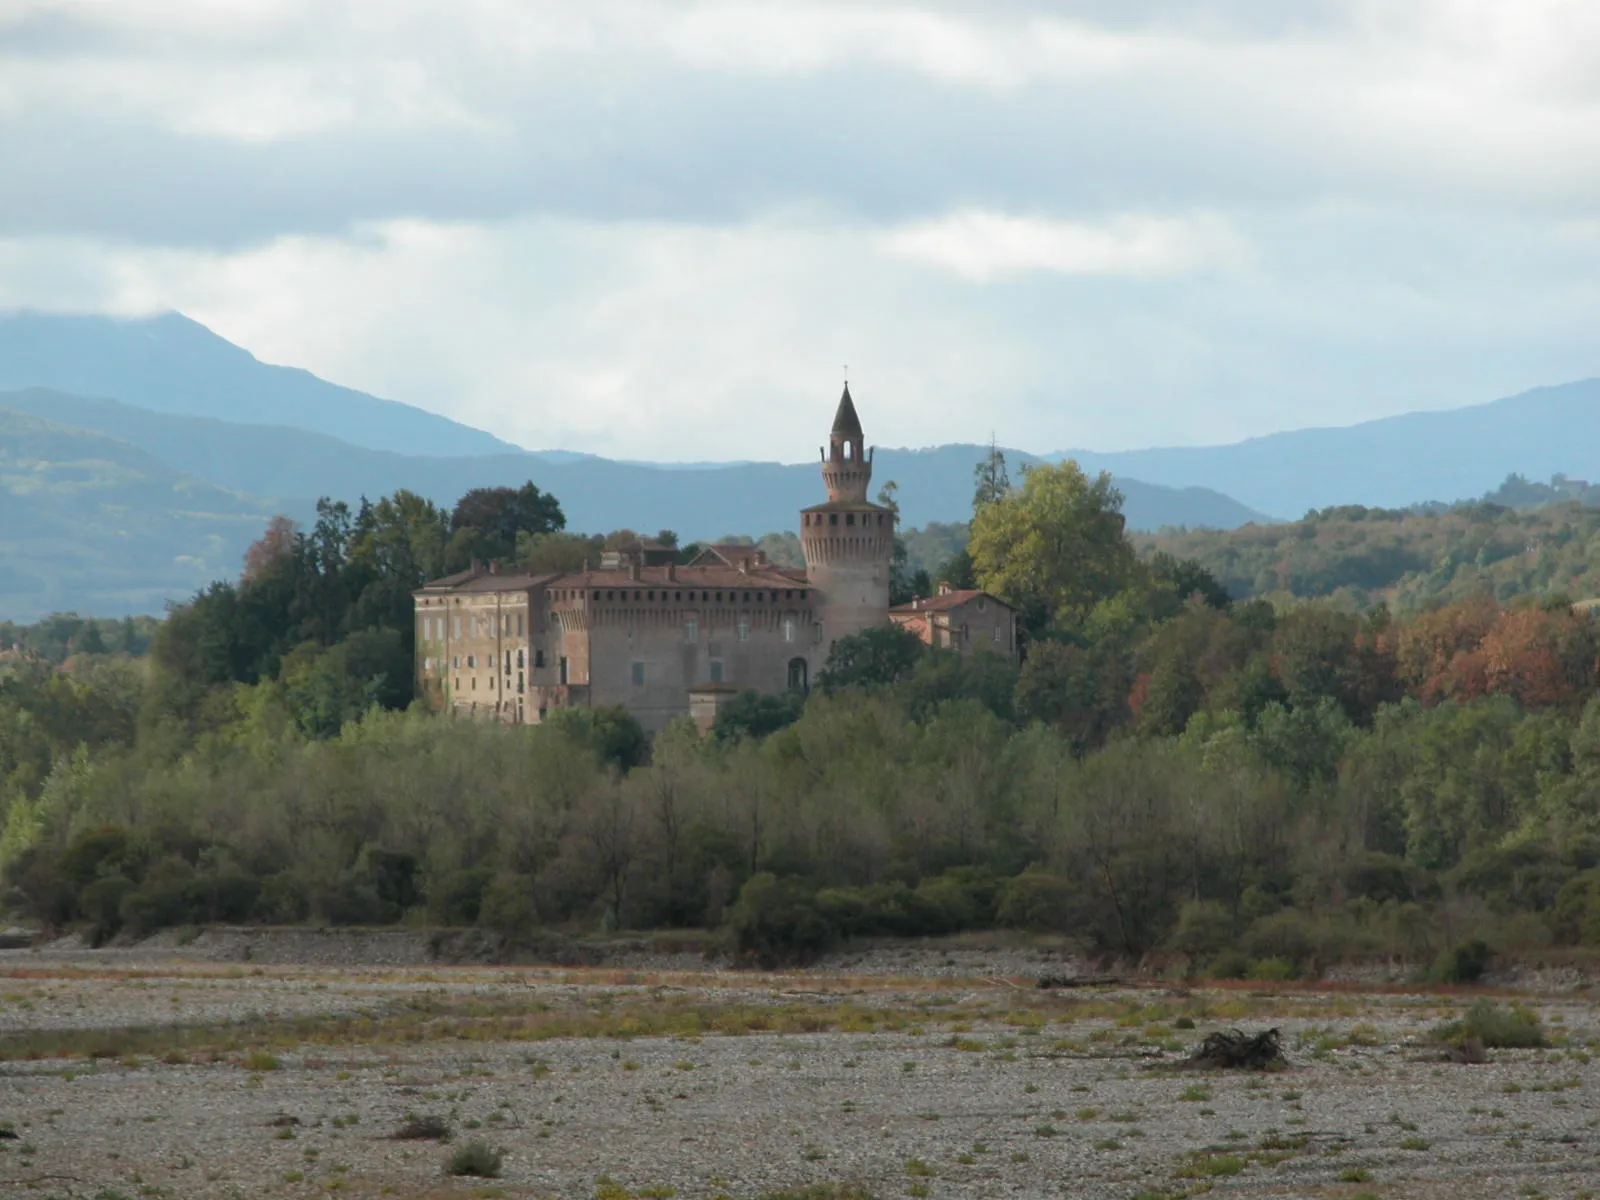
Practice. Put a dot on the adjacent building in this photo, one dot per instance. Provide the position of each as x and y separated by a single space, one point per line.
963 620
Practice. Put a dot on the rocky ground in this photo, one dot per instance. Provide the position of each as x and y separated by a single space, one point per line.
159 1075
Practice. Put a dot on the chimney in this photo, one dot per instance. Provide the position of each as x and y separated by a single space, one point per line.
944 588
672 572
633 569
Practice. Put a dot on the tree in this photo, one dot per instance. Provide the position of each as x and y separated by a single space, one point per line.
271 550
1055 548
486 521
873 657
991 480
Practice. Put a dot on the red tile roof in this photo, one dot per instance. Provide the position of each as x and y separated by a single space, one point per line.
945 601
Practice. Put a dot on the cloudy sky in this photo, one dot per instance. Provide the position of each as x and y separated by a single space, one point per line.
659 230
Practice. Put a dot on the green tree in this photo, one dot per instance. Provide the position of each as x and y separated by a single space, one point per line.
991 480
873 657
1055 548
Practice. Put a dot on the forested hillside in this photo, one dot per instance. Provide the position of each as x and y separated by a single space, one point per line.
1363 556
1243 787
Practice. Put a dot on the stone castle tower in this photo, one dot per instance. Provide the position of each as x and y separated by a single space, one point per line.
849 541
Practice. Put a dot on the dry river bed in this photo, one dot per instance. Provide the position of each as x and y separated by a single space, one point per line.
175 1079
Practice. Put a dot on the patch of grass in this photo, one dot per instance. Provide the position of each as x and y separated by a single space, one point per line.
260 1060
1355 1175
1415 1143
423 1128
915 1166
1203 1164
477 1159
1195 1093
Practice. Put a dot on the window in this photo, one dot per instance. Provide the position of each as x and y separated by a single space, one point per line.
519 660
798 672
507 667
472 661
788 629
744 629
427 664
691 631
455 625
519 683
849 518
563 668
833 518
995 635
716 670
538 658
519 624
638 674
455 662
983 603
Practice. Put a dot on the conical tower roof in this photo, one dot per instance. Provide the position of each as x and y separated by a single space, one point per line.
845 422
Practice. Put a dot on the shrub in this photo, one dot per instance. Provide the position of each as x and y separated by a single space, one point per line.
1036 900
1230 964
456 898
475 1158
777 921
1272 970
1514 1028
1204 927
1464 964
508 905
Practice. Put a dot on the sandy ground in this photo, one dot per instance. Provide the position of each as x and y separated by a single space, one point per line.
201 1079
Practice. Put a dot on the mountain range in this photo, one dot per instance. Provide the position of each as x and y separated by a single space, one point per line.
139 457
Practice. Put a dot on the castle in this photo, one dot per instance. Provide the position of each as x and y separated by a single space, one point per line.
665 639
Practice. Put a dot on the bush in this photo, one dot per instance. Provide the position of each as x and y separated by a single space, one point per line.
477 1159
1036 900
456 898
508 905
1514 1028
776 921
1273 970
1229 964
1465 964
1204 927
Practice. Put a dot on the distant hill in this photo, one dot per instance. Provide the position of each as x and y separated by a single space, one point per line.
1390 463
597 494
94 524
1406 559
171 364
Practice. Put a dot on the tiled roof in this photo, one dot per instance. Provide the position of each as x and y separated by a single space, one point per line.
685 577
480 579
946 601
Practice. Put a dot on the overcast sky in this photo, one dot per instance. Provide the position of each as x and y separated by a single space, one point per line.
661 230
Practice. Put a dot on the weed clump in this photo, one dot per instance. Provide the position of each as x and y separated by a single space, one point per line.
478 1159
422 1129
1233 1050
1493 1027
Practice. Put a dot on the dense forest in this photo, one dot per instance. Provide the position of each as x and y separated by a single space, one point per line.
1246 786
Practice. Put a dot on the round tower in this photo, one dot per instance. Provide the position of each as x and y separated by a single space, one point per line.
848 541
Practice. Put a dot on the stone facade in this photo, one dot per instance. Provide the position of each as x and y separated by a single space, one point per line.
657 637
966 621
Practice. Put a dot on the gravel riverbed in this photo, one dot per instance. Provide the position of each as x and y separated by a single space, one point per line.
958 1085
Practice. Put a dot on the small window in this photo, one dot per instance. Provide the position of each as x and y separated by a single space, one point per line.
519 624
611 595
519 683
744 629
455 662
995 635
849 518
649 595
472 661
691 631
427 664
788 629
538 658
716 670
982 603
455 625
638 674
833 518
719 597
520 662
